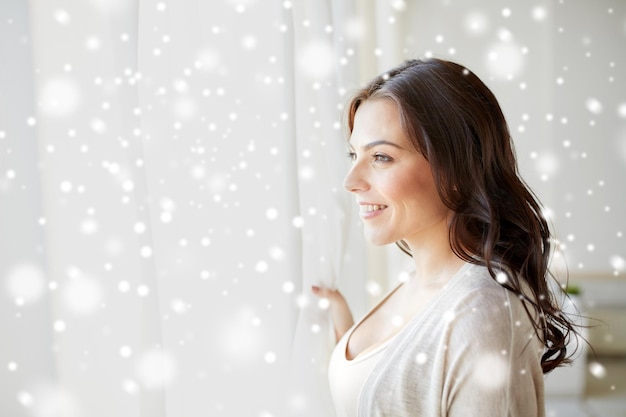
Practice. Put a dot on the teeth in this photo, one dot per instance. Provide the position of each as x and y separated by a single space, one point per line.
373 207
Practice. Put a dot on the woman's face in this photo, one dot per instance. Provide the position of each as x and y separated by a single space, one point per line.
392 181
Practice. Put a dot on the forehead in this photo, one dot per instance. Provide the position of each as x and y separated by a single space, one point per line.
377 119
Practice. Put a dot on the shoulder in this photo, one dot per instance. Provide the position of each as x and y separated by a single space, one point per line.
477 288
477 277
483 311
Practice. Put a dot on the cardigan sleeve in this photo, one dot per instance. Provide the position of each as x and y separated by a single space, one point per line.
493 359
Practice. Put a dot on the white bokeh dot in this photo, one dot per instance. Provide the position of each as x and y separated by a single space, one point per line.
288 287
489 371
155 369
271 213
66 186
146 251
59 326
449 316
270 357
297 222
597 370
618 263
505 59
126 351
123 286
59 97
316 59
539 13
421 358
476 23
62 17
26 281
593 105
139 228
82 296
130 386
178 306
25 398
143 290
261 267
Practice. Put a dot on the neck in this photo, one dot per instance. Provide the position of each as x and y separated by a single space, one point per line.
435 262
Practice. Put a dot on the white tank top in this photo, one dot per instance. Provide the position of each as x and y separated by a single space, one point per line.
346 377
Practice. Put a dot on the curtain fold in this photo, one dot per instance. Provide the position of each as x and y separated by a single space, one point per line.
190 158
24 308
324 75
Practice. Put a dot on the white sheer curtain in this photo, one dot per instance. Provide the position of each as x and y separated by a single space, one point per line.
329 251
172 188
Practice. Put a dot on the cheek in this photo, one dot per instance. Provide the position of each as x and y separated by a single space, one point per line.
406 186
417 191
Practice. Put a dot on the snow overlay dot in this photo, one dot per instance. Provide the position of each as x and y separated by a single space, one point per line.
505 59
146 251
125 352
25 398
597 370
26 282
271 213
155 369
62 17
270 357
59 326
593 105
539 13
316 59
143 290
288 287
618 263
476 23
489 371
82 296
59 97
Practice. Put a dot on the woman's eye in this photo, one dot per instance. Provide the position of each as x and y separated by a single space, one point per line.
379 157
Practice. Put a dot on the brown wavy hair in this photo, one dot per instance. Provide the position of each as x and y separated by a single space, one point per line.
455 121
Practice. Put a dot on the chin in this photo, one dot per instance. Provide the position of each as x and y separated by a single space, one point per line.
378 240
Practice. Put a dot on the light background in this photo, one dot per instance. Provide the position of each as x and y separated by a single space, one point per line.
170 183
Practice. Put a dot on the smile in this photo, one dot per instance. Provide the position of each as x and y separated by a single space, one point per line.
370 210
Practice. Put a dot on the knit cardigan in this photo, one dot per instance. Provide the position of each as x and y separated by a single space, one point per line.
472 352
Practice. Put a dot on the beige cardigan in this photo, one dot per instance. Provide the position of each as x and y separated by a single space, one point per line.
471 352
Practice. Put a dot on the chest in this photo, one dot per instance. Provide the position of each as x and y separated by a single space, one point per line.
387 319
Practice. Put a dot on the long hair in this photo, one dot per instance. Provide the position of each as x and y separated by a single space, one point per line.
455 121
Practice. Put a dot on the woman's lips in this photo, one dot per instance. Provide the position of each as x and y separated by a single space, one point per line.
368 211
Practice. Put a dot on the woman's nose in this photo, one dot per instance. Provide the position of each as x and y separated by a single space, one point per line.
355 180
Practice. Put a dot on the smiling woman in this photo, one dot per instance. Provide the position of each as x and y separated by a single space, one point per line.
474 328
390 178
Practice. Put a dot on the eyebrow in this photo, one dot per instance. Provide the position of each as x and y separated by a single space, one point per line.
378 143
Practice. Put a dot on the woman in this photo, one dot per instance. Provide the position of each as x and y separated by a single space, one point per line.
475 327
